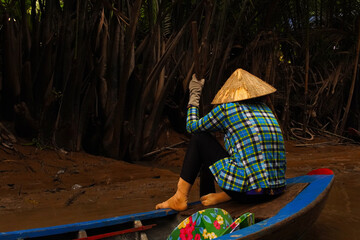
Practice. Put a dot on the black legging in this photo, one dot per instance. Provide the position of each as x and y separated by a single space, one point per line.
203 151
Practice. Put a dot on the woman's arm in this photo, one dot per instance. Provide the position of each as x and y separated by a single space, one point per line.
213 121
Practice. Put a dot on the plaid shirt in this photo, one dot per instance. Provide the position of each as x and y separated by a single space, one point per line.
253 140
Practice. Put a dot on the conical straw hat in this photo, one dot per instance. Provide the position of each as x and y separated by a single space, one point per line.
242 85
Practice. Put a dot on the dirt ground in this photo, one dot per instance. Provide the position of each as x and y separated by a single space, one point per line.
43 187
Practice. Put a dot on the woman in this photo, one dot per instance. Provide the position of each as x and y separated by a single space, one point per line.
252 168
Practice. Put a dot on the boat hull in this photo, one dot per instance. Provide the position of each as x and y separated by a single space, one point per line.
295 218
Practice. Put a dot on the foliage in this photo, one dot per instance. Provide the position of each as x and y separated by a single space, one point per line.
101 75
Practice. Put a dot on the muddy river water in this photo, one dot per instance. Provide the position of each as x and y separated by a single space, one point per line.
36 186
340 218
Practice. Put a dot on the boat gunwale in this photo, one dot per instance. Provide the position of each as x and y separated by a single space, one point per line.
304 202
92 224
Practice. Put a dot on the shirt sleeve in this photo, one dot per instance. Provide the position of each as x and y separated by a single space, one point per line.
213 121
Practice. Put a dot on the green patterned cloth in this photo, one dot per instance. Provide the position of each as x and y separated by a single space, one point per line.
209 224
245 220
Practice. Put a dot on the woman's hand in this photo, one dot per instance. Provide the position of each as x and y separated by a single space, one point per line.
195 88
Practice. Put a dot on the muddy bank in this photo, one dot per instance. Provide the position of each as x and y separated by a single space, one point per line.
44 187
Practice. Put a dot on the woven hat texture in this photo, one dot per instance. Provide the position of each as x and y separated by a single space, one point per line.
242 85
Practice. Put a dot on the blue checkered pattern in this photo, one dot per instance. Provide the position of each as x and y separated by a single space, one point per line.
254 141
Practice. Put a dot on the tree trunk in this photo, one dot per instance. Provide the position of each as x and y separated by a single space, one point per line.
12 67
351 91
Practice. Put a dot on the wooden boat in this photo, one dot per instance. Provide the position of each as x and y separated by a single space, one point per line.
286 217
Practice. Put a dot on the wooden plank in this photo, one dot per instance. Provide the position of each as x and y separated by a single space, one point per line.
261 210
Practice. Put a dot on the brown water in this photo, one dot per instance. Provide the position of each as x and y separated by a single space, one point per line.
340 218
31 198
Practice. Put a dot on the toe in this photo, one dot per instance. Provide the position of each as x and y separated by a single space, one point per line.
160 206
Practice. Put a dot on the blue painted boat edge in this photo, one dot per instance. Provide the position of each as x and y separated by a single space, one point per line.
73 227
318 184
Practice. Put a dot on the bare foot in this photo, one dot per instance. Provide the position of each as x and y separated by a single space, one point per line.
176 202
214 198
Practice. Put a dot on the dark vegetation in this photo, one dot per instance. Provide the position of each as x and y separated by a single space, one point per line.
102 76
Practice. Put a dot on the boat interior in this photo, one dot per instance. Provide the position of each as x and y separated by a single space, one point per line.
159 228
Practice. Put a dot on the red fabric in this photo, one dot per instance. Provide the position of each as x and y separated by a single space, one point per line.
321 171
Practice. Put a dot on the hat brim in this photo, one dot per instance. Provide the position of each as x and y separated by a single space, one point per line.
242 85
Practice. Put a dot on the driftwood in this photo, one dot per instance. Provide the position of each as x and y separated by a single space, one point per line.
163 149
75 196
333 134
5 134
7 139
311 136
317 144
